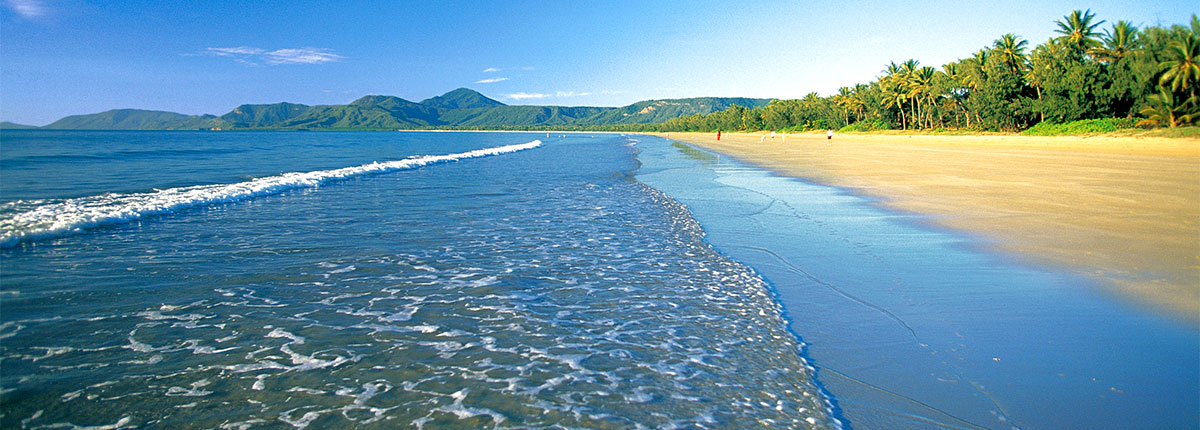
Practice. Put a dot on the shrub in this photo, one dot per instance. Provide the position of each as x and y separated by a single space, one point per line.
1083 126
866 126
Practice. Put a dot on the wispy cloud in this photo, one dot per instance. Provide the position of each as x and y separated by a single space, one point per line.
230 52
301 56
556 94
252 55
497 69
491 81
28 9
527 96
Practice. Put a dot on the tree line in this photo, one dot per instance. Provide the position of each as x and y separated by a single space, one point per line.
1144 77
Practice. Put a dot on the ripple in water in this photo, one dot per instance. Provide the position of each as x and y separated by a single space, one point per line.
608 311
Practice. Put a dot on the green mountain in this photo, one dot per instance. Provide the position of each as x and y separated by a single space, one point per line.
501 116
137 119
260 116
400 108
461 98
350 117
5 125
461 108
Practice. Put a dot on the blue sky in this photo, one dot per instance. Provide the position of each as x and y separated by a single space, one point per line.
66 57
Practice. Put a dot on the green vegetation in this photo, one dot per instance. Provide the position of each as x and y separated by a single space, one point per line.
1083 81
1083 126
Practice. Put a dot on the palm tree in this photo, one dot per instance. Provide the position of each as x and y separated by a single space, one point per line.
974 74
1011 49
1041 66
976 70
1181 67
958 89
1117 43
918 90
896 99
845 99
893 86
860 101
1166 108
909 86
891 69
1078 31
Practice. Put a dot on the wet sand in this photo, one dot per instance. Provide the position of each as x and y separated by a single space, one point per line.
1124 210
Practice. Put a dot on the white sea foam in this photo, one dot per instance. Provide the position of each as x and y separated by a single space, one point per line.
45 219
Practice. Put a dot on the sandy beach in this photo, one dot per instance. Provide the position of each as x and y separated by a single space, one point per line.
1124 210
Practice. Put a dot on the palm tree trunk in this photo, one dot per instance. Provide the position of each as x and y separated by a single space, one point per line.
1041 109
913 112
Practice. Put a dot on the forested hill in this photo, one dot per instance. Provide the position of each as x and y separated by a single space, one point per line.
461 108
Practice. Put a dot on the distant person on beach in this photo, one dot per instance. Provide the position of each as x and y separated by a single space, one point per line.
718 134
772 135
829 134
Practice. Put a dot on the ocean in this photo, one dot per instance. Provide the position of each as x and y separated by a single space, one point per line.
374 280
242 280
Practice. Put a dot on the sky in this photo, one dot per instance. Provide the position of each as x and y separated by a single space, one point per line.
69 57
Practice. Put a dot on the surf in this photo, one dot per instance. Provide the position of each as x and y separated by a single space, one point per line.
27 221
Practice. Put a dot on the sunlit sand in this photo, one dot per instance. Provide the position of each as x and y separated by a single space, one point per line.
1121 209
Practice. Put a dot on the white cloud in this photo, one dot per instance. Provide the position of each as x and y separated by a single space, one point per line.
557 94
491 81
230 52
523 96
301 56
491 70
28 9
252 55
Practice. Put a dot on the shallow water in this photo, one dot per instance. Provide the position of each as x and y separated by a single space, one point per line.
542 287
911 327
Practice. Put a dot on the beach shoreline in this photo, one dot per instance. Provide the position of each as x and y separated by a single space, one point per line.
1122 210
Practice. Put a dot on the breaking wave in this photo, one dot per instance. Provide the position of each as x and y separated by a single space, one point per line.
23 221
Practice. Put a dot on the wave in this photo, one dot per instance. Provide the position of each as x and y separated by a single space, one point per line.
36 220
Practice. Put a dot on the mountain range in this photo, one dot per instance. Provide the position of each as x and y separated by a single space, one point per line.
462 109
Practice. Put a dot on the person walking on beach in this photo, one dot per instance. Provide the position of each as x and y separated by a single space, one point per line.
718 135
829 134
772 136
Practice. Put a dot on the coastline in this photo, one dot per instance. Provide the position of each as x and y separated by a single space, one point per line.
912 327
1124 210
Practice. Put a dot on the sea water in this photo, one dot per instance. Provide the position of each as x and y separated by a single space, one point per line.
373 280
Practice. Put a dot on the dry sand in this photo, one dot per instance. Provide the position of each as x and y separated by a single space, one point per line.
1125 210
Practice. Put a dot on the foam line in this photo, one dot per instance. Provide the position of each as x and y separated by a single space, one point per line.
64 217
